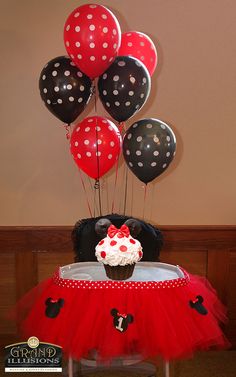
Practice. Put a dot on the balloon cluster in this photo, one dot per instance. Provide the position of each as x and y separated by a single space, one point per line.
123 64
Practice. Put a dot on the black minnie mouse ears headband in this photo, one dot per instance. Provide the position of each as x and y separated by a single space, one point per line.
103 224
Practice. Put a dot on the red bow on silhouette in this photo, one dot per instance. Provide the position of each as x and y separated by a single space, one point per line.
122 232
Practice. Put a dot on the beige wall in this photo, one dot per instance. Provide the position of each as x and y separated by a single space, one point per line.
193 90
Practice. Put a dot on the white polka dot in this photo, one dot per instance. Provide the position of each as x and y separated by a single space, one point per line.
156 153
153 164
44 77
137 106
72 63
76 144
128 152
117 103
112 144
72 56
144 80
110 128
67 73
138 63
142 58
99 141
131 93
92 45
67 43
104 92
45 90
98 128
135 125
48 101
79 56
59 100
141 95
105 45
115 46
142 44
77 29
168 138
80 99
77 44
168 154
108 104
140 164
79 74
149 125
77 129
164 166
130 44
88 154
104 76
115 78
156 139
139 138
114 31
98 153
128 34
110 60
89 16
93 6
71 99
69 86
81 88
86 142
54 73
109 156
130 164
105 30
92 58
115 92
132 79
87 129
138 153
121 63
127 103
67 27
56 65
76 14
129 136
104 57
92 27
163 126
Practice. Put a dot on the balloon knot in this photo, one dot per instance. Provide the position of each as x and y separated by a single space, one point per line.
97 184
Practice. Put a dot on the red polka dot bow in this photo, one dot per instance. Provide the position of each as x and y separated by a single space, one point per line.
122 232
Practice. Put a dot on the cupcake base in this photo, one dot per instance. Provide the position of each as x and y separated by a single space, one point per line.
119 272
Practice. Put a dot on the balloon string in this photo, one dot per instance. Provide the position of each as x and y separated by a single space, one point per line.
126 188
144 199
67 128
89 208
97 185
115 185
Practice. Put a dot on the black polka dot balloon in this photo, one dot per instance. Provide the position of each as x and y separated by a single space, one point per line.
149 147
124 87
64 89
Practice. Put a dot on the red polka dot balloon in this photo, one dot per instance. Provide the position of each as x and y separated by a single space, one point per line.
139 46
92 38
95 145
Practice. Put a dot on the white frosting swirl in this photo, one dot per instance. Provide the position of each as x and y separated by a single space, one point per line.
118 251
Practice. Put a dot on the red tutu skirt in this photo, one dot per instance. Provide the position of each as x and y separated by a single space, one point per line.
171 318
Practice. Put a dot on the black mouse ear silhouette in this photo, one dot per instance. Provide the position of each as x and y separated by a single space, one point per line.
48 301
101 227
114 312
134 226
